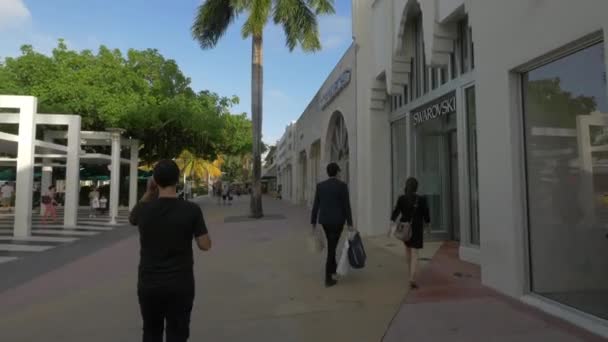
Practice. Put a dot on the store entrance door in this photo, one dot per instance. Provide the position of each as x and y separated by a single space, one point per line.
455 194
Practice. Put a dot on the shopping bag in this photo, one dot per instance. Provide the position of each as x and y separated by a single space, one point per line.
316 241
343 264
356 252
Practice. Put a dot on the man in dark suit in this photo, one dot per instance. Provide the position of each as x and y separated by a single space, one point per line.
332 209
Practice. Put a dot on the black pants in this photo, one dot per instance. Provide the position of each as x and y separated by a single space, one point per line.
172 306
333 233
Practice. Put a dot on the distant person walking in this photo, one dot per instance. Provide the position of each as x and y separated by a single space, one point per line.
93 202
167 227
332 210
412 209
225 192
49 202
7 191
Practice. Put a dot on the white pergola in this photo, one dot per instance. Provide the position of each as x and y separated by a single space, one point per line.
28 148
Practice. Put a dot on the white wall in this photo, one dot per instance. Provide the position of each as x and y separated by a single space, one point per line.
313 126
542 26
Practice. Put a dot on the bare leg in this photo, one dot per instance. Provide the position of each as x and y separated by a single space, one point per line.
413 264
408 257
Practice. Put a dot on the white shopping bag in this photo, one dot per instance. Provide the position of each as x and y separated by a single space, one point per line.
343 265
316 241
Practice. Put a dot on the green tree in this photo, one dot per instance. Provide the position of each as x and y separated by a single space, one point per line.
140 91
299 21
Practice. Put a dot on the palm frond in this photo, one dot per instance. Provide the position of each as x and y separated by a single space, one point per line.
212 21
299 21
259 12
322 6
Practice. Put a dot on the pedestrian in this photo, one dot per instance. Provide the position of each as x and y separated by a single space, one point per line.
93 202
167 227
332 208
49 202
226 192
219 193
7 191
412 209
103 204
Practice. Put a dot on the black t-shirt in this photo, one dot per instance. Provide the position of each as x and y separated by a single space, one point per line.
167 227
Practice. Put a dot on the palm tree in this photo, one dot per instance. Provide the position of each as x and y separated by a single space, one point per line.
198 168
299 21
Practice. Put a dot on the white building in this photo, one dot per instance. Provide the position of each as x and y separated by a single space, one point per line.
472 98
285 157
500 109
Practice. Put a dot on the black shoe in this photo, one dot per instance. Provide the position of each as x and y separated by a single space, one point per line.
330 282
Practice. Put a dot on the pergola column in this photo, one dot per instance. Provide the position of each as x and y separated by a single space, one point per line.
25 162
115 175
133 174
72 173
47 176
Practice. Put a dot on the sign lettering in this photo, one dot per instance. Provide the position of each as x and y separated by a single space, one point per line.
335 89
442 106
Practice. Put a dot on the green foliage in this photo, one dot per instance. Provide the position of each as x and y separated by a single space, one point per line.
141 91
547 96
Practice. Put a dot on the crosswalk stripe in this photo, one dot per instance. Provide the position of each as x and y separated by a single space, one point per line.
39 239
4 259
23 248
55 232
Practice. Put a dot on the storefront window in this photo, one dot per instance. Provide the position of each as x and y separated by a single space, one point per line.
434 151
472 149
566 131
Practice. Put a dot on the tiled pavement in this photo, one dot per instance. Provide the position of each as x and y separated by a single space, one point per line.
261 283
46 236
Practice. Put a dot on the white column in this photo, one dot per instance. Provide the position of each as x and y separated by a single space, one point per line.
72 174
115 177
133 173
25 166
46 178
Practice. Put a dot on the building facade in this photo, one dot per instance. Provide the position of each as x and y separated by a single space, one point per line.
285 157
326 132
501 111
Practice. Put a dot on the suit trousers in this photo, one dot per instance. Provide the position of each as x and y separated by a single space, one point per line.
333 233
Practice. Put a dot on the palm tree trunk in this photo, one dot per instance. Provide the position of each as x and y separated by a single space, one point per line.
256 117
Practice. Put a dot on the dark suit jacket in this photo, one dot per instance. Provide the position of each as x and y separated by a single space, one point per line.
332 204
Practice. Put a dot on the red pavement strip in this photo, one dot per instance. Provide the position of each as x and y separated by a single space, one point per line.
452 301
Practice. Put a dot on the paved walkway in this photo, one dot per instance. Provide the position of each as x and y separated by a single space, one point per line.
259 283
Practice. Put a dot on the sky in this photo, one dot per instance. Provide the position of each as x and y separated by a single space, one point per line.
290 79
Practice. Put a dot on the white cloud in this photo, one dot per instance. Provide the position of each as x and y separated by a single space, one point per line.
13 13
335 31
276 94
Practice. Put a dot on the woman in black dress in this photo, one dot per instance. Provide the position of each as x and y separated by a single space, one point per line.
414 209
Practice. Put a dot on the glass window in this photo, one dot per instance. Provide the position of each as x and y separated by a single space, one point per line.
432 169
472 149
444 75
566 131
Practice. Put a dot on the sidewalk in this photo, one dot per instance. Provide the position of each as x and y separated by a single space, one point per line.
261 283
452 305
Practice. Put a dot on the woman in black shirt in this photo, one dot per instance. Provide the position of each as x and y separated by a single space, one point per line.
414 209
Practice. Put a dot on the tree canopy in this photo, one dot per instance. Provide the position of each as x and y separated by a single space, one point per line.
140 91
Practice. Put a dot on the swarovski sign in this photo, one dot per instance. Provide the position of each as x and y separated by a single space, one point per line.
335 89
442 106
